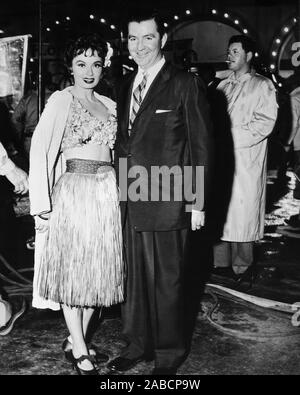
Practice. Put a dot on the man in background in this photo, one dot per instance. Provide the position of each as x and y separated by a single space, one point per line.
10 174
25 116
252 108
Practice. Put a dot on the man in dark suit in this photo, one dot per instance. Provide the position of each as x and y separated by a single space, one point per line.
163 136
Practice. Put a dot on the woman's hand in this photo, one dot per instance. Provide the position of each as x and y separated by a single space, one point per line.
41 224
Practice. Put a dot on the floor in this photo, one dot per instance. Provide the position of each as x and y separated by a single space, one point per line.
231 335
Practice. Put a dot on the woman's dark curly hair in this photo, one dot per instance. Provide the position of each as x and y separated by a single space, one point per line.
82 44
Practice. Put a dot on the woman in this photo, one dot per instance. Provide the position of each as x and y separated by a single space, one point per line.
74 199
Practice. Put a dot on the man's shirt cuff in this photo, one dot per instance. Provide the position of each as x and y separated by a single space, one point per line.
7 167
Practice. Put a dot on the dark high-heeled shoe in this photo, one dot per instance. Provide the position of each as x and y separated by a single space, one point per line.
98 356
83 372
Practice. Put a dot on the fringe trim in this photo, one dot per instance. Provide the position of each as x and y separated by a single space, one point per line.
82 263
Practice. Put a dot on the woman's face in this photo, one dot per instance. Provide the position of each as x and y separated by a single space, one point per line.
87 69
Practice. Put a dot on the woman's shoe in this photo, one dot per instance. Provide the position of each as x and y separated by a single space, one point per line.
83 372
67 349
98 356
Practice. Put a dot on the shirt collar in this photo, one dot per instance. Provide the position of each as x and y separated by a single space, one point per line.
242 78
153 70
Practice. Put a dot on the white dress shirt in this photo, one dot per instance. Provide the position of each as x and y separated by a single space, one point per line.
6 165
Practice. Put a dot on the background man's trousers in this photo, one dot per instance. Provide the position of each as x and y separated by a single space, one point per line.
239 256
153 312
297 174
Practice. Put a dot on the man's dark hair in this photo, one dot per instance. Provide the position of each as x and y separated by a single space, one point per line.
144 15
247 43
82 44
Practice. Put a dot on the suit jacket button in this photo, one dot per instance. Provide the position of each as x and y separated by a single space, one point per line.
129 155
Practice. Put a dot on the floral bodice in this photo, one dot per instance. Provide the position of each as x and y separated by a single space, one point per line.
84 128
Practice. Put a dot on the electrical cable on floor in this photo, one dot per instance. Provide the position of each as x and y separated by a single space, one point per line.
24 288
21 287
25 283
243 298
257 300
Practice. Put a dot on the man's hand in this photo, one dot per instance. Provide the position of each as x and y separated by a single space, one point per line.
198 219
19 179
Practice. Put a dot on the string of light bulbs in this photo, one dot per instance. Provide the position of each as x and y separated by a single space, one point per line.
168 22
214 15
279 39
63 21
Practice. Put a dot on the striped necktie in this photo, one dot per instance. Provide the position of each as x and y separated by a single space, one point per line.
137 99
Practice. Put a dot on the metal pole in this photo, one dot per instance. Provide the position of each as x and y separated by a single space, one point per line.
40 60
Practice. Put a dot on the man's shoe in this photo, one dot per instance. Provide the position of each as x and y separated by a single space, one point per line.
164 372
224 272
30 243
249 276
121 364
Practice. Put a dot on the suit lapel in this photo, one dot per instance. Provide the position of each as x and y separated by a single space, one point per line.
156 87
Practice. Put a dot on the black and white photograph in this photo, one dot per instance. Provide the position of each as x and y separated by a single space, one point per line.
150 190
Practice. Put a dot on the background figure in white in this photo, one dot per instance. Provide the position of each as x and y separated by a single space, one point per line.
252 109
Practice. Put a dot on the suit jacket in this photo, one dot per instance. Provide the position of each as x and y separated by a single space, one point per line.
172 129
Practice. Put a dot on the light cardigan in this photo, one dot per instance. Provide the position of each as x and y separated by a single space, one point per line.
46 160
46 166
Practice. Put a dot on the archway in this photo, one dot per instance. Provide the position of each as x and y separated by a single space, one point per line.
203 39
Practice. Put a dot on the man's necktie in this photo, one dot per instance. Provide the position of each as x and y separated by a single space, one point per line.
137 98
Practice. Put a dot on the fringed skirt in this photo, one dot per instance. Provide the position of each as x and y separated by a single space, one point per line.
82 263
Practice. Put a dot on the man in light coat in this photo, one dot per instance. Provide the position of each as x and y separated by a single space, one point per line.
252 108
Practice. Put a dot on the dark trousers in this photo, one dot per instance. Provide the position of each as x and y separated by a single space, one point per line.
7 220
297 174
7 225
153 312
239 256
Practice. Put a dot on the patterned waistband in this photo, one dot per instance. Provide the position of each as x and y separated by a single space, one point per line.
85 166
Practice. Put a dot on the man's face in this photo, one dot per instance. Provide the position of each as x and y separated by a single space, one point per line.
145 43
238 58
